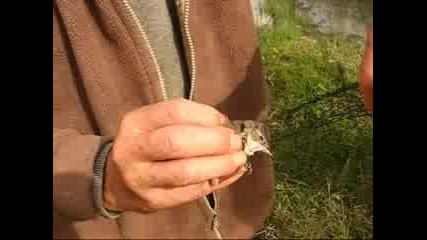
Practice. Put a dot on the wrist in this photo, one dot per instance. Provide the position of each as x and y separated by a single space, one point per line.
109 196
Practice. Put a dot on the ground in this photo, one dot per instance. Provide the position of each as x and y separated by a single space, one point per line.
322 135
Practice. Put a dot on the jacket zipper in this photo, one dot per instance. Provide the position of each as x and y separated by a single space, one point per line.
214 222
192 57
191 50
192 66
150 48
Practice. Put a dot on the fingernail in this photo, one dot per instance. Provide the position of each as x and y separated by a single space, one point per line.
214 181
235 141
242 169
240 158
223 120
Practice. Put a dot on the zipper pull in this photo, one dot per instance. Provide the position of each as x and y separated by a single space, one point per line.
215 223
248 168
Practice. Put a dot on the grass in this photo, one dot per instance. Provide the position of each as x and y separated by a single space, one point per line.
323 148
309 213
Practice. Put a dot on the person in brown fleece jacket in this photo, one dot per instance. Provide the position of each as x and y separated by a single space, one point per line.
131 157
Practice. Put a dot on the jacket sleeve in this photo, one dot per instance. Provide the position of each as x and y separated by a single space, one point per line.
73 158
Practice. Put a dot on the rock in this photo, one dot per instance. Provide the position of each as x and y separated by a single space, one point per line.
337 16
261 17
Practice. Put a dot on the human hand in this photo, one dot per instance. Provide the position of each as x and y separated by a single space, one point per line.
165 155
366 73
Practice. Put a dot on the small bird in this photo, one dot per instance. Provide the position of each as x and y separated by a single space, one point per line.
253 137
254 140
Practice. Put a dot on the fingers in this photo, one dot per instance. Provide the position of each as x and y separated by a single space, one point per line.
179 111
227 180
369 35
177 142
167 198
178 173
366 73
368 63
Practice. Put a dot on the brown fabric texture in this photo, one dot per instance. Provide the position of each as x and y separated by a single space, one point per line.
102 69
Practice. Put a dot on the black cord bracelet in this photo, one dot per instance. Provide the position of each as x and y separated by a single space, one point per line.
98 182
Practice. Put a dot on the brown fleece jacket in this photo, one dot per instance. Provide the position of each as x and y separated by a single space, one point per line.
103 68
